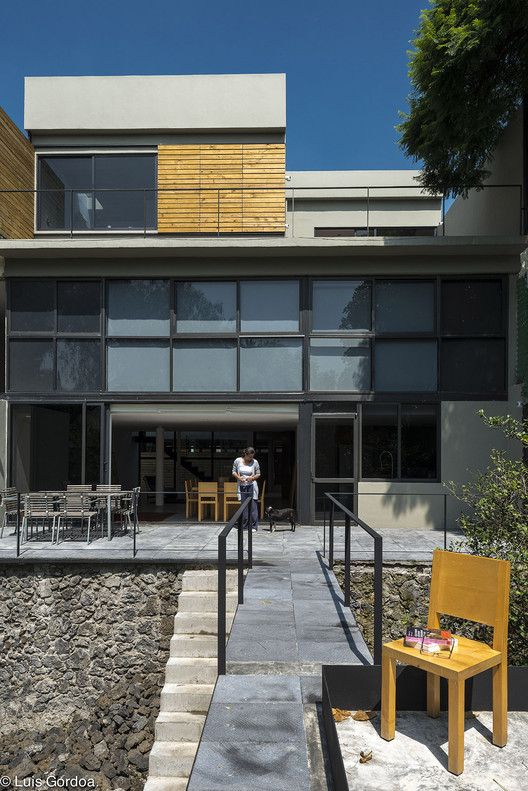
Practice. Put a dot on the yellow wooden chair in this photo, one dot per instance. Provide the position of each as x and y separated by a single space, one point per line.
260 500
191 499
230 497
207 496
472 588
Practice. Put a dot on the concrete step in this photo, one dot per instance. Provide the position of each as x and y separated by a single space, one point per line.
200 623
207 580
180 726
202 645
191 670
166 784
172 759
186 697
205 601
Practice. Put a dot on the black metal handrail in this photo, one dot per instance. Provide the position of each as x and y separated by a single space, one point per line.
378 566
222 573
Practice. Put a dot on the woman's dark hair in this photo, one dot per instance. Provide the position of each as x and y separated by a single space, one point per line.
249 451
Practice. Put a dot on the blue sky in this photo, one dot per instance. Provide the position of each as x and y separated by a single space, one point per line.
345 61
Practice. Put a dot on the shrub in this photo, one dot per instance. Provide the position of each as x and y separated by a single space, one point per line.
496 526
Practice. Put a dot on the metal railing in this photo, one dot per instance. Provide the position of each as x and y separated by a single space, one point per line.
236 519
216 207
378 566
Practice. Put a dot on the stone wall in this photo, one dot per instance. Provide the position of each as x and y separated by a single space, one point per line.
83 653
405 596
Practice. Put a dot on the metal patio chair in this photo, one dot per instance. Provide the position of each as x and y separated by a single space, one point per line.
9 499
39 511
75 507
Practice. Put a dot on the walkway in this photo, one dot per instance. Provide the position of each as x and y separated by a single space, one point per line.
262 730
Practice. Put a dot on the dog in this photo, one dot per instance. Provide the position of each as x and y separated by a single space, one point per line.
281 515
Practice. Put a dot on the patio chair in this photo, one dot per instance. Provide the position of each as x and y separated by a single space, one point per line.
191 499
74 507
260 500
39 511
128 504
472 588
9 499
230 497
79 487
207 496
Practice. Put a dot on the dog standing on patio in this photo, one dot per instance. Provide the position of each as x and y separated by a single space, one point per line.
281 515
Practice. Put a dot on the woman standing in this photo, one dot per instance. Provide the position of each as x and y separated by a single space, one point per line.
246 470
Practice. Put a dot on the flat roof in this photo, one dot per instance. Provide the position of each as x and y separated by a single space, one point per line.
156 103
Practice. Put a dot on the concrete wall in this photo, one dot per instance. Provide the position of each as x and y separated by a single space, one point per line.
497 210
199 103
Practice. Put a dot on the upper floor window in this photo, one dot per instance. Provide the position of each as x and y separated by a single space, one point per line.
96 191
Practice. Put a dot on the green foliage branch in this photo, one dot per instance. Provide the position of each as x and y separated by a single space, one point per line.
469 74
496 525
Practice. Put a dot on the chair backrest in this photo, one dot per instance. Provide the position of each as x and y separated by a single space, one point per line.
230 487
473 588
263 489
79 487
108 487
207 487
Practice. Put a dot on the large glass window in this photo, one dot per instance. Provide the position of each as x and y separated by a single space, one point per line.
32 306
399 441
115 192
379 441
138 365
471 306
139 308
404 307
31 365
339 364
406 365
473 365
78 365
208 365
341 306
268 364
205 307
334 448
269 306
78 307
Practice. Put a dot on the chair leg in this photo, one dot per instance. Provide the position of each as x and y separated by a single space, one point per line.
500 705
455 761
433 695
388 697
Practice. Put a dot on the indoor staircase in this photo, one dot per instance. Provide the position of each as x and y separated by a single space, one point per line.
190 678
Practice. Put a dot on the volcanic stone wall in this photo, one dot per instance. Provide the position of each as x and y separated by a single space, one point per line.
83 650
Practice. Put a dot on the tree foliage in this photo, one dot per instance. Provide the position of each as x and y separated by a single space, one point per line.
496 525
469 73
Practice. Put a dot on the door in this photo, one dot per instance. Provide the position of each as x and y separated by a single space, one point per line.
335 452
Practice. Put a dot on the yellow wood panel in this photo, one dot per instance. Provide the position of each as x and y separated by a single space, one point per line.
17 172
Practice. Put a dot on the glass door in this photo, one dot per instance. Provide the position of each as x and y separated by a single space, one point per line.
334 461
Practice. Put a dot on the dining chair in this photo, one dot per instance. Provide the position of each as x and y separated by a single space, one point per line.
191 499
39 510
471 588
207 496
75 507
230 497
9 500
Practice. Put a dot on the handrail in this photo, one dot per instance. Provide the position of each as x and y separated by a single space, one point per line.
222 573
378 566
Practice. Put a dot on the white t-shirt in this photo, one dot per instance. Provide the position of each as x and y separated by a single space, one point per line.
243 469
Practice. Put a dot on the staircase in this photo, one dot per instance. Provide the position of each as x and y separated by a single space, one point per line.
190 678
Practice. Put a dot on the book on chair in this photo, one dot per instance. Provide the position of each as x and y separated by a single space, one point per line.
429 641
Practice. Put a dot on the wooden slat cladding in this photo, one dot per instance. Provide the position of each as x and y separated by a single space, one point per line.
236 188
17 172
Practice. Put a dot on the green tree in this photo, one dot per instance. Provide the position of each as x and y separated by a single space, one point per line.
469 74
496 525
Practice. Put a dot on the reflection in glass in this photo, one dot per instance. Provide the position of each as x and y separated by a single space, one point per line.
65 197
418 441
78 365
138 307
31 366
334 448
405 365
473 365
339 364
143 366
472 306
269 306
78 307
404 307
341 305
379 452
206 307
204 365
271 364
32 306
